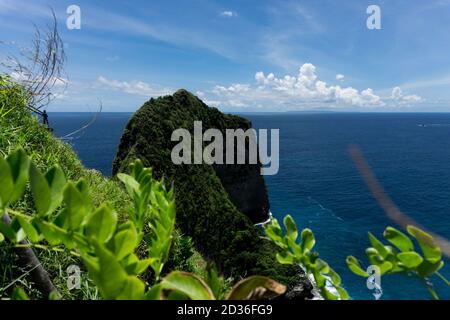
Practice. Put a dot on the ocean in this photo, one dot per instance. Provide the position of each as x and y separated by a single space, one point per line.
320 187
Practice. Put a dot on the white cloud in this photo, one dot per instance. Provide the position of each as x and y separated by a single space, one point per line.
304 90
401 99
133 87
228 14
340 77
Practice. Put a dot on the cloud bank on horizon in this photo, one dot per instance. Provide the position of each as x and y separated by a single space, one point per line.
289 93
302 91
248 56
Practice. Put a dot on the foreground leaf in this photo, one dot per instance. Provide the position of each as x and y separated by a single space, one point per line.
40 190
427 244
410 259
101 224
19 164
398 239
355 267
255 287
188 284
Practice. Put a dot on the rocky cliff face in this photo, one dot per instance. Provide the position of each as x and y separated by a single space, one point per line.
243 184
246 189
217 205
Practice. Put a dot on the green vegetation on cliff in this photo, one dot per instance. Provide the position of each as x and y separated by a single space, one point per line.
20 129
204 209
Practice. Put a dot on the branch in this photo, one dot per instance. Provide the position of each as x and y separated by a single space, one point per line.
40 67
28 259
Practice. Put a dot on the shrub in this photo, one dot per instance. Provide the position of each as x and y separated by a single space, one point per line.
66 216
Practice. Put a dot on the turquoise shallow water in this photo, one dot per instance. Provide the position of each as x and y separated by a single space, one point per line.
318 184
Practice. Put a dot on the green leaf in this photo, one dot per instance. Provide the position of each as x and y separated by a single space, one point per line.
274 232
130 183
321 281
155 293
410 259
335 278
322 266
308 241
133 289
54 296
291 228
7 231
385 267
6 185
246 289
355 267
83 188
29 230
2 238
125 243
343 294
40 190
52 234
285 257
101 224
374 256
427 268
188 284
56 181
327 294
47 189
427 244
213 280
378 245
142 265
19 164
176 296
76 208
19 294
111 278
398 239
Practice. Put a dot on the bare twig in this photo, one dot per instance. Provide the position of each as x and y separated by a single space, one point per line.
386 203
40 68
87 125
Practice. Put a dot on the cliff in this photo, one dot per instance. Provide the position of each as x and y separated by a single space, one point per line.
217 205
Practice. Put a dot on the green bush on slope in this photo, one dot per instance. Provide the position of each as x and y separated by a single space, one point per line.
66 217
19 129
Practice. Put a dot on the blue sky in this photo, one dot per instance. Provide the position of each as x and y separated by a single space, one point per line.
248 55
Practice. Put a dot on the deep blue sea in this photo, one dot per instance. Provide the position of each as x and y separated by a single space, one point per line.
319 186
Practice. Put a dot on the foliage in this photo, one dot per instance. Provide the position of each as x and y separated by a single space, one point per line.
293 252
205 212
65 215
402 257
20 129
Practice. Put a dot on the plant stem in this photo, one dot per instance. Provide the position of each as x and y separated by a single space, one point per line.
430 288
42 247
442 278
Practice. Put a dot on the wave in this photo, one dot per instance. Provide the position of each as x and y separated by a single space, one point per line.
262 224
317 203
